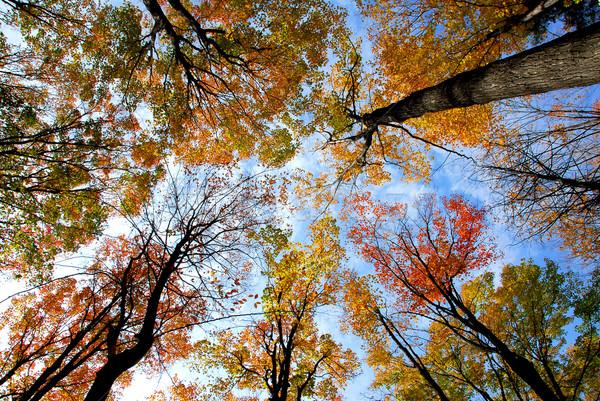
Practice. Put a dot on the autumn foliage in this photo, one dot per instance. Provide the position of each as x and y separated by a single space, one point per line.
420 257
139 294
284 352
528 312
143 233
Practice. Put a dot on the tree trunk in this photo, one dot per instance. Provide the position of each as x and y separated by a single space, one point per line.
118 364
573 60
414 359
115 367
520 365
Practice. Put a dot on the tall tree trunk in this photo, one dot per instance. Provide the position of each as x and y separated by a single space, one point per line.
412 357
519 364
573 60
115 366
119 363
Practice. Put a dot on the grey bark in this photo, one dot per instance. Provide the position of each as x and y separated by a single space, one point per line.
573 60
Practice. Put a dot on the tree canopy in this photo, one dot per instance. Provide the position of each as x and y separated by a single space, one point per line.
200 187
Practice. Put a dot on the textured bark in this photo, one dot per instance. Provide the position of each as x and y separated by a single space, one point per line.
573 60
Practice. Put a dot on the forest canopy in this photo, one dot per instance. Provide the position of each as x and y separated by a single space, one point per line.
207 188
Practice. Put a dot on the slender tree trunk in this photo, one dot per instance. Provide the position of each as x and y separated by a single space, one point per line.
573 60
591 185
415 360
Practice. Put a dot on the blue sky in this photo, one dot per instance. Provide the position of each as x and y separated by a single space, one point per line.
450 176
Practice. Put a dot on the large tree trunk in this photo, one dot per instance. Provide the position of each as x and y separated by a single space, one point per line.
114 367
573 60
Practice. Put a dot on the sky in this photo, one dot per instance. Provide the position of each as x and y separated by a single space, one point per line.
450 176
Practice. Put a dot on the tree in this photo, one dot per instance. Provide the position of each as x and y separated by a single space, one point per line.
420 262
140 294
529 311
430 55
69 158
545 176
59 167
284 351
419 44
441 60
95 95
221 80
538 70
